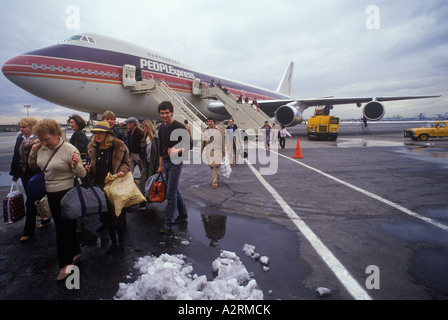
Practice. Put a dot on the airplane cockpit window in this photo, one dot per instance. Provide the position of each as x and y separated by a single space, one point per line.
84 38
77 37
88 39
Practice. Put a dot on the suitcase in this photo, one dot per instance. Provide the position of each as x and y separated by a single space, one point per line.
13 205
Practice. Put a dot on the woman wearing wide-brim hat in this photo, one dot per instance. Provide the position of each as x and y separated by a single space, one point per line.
108 154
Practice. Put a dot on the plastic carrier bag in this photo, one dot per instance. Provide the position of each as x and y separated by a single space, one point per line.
122 192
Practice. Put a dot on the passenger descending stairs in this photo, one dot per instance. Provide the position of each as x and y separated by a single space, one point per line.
183 109
244 115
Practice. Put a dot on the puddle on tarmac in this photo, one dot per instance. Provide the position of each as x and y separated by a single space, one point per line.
350 143
428 152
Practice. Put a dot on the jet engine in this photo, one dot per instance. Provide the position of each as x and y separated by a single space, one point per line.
373 111
290 114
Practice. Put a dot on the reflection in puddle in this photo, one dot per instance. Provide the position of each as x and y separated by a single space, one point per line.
428 152
215 227
350 143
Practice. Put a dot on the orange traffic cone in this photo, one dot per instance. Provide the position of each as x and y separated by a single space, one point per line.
298 154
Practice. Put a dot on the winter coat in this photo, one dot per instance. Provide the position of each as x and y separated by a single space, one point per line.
215 143
16 168
149 168
120 157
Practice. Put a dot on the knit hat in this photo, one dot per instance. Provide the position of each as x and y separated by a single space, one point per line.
102 126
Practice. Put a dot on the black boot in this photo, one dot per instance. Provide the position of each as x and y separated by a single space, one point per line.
113 238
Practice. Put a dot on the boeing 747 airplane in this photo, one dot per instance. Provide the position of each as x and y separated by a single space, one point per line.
92 73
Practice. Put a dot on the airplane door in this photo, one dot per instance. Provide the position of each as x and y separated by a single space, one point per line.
129 75
196 86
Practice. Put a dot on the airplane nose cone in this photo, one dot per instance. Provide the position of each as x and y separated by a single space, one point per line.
15 70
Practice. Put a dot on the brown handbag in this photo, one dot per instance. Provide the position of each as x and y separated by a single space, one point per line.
157 192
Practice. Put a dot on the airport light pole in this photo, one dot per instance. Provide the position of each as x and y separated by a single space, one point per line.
27 107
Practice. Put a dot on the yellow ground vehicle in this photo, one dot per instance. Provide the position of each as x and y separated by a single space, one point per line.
322 126
435 129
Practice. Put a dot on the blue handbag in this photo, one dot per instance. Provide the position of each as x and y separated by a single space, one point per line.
36 185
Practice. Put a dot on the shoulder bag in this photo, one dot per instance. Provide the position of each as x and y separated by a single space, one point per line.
80 201
36 185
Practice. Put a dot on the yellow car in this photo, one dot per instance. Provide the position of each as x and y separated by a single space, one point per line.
436 129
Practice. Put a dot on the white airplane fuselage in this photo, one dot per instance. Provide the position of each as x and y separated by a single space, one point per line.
84 73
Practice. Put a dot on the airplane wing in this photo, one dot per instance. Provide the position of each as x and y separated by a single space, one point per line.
269 104
289 111
292 109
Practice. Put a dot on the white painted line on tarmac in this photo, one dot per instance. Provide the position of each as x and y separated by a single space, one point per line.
327 256
371 195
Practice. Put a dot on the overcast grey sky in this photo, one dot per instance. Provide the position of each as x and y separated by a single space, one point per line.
336 53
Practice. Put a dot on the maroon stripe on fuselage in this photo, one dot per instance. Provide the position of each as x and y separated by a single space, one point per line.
91 64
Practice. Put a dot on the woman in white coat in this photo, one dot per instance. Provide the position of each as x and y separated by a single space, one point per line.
213 139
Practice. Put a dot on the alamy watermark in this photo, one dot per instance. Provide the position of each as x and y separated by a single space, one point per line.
73 21
373 20
250 145
73 281
373 280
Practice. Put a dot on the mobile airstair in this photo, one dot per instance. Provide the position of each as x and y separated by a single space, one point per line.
244 115
183 109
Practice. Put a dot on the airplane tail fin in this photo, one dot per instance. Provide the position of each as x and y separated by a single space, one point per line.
285 85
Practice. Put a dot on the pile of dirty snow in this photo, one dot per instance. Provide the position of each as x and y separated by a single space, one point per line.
170 277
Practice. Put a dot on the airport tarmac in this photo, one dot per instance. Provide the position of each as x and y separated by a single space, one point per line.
365 216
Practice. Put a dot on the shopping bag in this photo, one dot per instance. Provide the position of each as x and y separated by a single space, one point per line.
80 201
13 205
42 209
224 169
122 192
155 188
